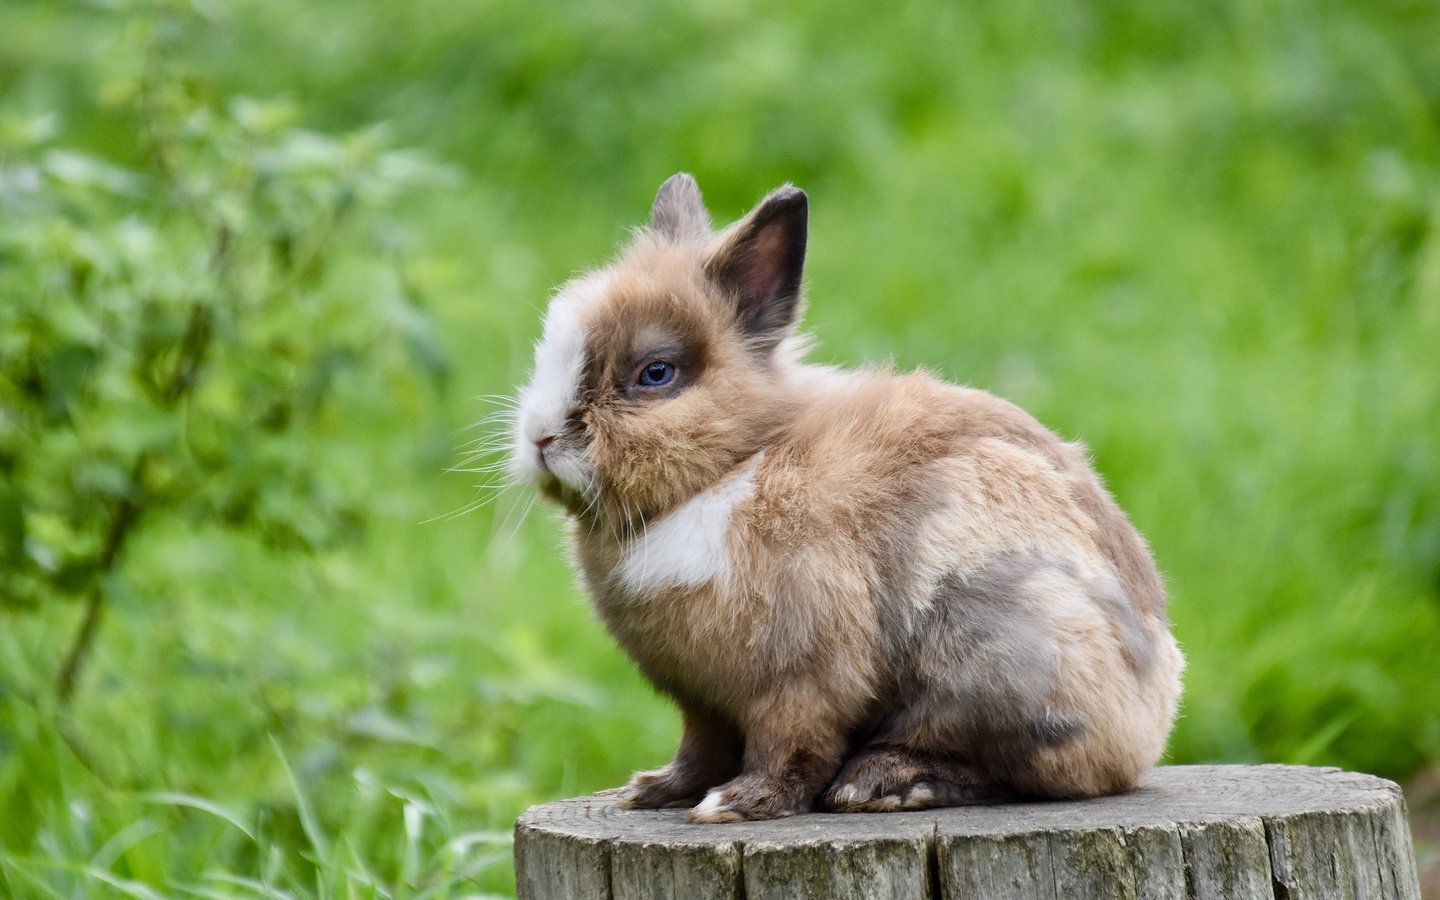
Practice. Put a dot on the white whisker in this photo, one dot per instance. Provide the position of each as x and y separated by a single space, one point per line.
498 399
497 466
486 446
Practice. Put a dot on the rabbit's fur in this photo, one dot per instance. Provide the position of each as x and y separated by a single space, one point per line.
865 590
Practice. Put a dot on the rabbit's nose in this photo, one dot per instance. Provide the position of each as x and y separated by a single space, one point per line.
541 443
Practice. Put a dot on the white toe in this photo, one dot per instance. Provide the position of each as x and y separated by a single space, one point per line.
919 795
711 804
848 793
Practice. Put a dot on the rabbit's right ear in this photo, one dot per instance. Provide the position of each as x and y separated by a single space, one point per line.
679 211
759 262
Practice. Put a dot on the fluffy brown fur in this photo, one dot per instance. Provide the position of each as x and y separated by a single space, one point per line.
864 589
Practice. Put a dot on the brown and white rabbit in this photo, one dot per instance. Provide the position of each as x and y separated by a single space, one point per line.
865 590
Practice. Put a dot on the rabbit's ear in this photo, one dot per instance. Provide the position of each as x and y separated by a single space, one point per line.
759 263
678 211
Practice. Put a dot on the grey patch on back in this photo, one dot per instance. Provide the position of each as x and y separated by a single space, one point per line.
1055 728
981 673
1136 645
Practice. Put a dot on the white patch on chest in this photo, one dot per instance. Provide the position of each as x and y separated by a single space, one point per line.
688 547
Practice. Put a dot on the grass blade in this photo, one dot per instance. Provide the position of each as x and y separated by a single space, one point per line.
173 798
308 823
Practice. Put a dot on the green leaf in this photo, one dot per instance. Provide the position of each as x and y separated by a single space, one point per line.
263 117
83 171
12 524
63 374
75 575
102 478
19 132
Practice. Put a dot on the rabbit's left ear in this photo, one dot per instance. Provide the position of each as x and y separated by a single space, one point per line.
759 263
679 211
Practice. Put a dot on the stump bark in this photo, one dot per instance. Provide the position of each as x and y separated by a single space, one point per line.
1224 832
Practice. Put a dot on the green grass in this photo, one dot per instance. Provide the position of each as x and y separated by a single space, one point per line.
1204 239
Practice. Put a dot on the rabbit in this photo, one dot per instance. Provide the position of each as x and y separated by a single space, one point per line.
865 590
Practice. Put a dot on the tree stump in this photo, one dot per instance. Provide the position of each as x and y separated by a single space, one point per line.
1224 832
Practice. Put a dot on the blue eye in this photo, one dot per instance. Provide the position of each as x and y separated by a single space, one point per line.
656 374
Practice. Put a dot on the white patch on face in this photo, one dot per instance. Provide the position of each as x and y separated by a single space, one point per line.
550 396
687 548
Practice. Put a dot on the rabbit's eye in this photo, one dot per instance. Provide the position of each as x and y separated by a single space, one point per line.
656 374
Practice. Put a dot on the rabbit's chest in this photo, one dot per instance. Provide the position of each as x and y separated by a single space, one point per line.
703 641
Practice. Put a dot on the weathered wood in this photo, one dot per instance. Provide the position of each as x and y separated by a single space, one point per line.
552 863
1284 832
1226 860
653 870
877 867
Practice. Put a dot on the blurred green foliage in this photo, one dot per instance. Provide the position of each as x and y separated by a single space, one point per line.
1204 238
170 341
171 336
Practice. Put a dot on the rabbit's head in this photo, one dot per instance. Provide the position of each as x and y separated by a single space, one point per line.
660 372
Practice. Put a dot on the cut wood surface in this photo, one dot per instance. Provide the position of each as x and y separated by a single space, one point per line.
1231 832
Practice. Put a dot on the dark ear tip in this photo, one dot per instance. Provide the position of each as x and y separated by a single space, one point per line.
789 199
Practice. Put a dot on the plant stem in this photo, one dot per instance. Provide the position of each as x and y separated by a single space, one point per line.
126 515
193 347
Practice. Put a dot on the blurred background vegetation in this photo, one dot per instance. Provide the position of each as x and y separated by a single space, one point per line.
257 260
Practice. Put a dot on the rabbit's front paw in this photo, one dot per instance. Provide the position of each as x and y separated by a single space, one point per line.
660 788
750 797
